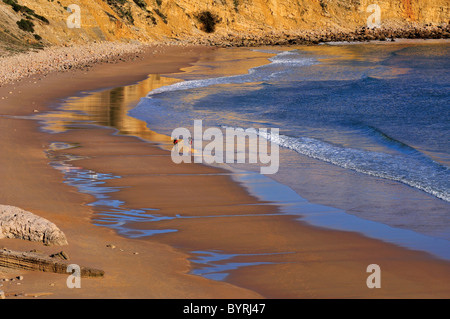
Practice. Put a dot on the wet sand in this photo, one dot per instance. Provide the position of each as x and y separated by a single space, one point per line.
212 214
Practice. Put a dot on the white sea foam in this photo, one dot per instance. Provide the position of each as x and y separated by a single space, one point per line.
420 172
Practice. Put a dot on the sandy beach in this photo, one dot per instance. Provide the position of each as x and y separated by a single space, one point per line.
33 184
298 260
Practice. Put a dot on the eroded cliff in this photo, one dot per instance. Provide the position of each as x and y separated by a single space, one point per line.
44 22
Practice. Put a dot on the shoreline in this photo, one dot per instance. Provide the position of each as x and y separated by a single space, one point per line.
322 254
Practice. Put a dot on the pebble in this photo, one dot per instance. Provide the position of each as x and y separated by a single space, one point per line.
11 279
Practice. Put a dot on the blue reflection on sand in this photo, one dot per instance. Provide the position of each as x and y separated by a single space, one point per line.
216 265
112 212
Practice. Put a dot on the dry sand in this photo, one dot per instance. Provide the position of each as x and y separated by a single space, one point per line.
305 261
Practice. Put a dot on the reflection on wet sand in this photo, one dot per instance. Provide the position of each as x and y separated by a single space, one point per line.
110 108
106 108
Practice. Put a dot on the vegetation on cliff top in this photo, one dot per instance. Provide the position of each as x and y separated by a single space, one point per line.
26 24
25 10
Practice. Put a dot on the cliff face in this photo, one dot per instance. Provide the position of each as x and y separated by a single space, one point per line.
151 20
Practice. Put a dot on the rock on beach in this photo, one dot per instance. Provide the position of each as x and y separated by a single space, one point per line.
20 224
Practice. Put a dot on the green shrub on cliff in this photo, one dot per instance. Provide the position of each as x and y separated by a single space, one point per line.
162 15
26 25
140 3
123 11
25 10
236 5
208 21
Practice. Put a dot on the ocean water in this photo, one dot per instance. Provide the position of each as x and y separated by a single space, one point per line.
363 127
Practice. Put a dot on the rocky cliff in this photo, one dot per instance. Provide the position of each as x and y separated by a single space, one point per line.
45 22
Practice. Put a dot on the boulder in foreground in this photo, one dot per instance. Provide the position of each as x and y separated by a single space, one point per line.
20 224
